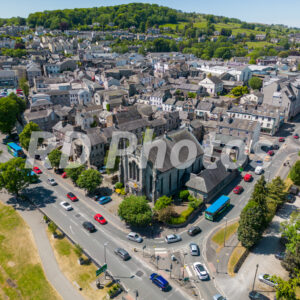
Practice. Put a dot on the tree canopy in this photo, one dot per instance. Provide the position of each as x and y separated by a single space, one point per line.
295 173
74 172
255 83
136 211
25 135
54 157
163 202
89 180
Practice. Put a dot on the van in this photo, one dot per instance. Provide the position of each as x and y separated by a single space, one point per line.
258 170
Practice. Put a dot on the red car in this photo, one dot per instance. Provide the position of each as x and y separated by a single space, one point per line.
270 152
238 189
72 197
36 170
248 177
99 218
64 175
296 136
281 139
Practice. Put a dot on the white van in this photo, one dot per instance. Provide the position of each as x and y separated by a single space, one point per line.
258 170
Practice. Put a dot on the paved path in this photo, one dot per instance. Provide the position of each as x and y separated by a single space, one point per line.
63 286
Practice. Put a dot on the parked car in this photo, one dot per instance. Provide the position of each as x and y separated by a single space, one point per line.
47 165
100 219
194 249
253 295
72 197
104 199
52 181
293 190
281 139
276 147
290 198
218 297
280 255
133 236
58 171
238 189
172 238
259 162
296 136
266 278
36 170
248 177
89 226
201 271
194 230
270 152
64 175
158 280
258 170
66 205
122 253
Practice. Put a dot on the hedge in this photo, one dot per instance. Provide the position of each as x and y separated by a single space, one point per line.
183 216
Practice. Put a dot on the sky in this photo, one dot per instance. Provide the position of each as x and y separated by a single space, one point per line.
262 11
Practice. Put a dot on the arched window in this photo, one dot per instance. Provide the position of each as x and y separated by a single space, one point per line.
137 173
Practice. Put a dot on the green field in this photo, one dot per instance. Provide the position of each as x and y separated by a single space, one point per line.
21 273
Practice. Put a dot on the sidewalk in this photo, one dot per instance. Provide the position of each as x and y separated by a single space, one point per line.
34 220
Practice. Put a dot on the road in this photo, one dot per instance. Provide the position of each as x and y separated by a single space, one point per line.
135 272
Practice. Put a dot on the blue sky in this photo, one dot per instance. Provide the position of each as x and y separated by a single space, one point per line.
263 11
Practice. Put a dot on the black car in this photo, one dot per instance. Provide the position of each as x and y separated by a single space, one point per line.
89 226
253 295
194 230
11 138
59 171
122 253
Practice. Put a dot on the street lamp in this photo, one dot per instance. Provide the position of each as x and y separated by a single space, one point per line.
171 267
254 277
144 247
225 231
157 259
136 294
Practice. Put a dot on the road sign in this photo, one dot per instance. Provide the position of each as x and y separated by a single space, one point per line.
101 270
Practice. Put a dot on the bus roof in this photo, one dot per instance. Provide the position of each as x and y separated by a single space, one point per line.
14 146
217 204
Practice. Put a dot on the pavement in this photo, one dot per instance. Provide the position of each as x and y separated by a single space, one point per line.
52 271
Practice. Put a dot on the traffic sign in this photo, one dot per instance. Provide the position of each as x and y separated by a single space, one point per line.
101 270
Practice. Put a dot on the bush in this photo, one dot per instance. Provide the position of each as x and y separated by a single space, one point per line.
184 195
118 185
187 212
182 217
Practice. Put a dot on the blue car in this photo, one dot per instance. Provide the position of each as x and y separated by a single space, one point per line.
158 280
104 199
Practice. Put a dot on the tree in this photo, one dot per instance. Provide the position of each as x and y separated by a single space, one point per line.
108 107
135 211
294 173
239 91
8 115
192 95
276 191
164 215
163 202
52 227
25 135
14 177
255 83
24 86
260 193
286 289
54 157
89 180
251 224
74 172
183 195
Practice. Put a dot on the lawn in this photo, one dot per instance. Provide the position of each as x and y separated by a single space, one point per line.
84 275
218 237
21 273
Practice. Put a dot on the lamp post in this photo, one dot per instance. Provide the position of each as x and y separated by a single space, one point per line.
254 277
218 265
171 267
144 247
225 231
136 294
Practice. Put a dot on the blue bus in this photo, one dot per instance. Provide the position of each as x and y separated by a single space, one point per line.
217 208
15 150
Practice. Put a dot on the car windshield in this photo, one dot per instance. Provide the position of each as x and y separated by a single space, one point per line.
200 268
101 218
65 204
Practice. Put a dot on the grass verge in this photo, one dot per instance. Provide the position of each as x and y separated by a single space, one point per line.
235 258
21 272
218 237
84 275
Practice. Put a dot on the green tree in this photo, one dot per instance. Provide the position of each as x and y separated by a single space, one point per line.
14 177
294 173
25 135
260 193
52 227
192 95
276 191
8 115
239 91
135 211
165 214
89 180
286 289
74 171
255 83
251 224
54 157
163 202
108 107
24 86
183 195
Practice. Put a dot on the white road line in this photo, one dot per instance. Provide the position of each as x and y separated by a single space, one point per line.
62 212
189 271
71 229
86 232
73 222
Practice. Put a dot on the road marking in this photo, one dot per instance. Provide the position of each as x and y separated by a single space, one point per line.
86 232
189 271
62 212
71 229
73 222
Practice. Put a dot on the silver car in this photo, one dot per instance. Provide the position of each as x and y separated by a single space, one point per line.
172 238
194 249
133 236
52 181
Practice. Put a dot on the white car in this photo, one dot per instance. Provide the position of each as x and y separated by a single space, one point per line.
132 236
267 279
172 238
258 170
52 181
201 271
66 205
